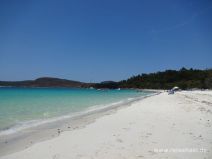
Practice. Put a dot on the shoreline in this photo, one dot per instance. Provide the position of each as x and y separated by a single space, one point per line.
25 138
160 126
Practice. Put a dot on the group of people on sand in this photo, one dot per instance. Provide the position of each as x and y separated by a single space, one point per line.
171 91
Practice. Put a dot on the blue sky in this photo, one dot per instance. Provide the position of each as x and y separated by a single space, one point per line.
100 40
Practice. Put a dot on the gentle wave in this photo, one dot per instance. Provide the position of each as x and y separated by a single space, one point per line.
34 123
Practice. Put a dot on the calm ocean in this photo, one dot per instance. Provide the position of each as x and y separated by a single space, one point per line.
23 107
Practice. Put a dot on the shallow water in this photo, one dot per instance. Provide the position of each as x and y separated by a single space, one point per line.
22 107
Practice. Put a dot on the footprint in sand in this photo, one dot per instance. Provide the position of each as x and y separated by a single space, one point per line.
131 123
208 125
119 140
209 111
202 109
148 135
116 135
152 152
126 129
140 156
56 156
80 156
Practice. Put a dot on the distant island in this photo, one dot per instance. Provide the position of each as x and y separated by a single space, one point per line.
46 82
183 78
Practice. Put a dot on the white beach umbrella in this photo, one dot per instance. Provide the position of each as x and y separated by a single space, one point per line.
175 88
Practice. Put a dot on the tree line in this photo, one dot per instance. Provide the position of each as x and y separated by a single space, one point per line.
183 78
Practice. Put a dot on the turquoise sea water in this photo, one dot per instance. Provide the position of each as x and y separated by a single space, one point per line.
24 106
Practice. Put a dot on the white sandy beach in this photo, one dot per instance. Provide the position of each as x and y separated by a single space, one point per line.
163 126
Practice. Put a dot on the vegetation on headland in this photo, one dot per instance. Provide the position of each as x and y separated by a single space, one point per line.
183 78
45 82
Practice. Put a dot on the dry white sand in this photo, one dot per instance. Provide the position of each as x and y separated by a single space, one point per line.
163 126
